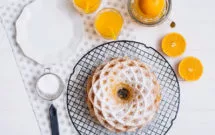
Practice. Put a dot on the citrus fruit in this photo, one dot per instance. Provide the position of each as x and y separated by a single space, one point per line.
87 6
152 8
173 44
190 68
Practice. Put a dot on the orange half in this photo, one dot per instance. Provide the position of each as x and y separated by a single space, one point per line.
190 69
173 44
152 8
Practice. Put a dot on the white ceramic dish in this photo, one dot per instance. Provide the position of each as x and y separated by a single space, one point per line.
48 31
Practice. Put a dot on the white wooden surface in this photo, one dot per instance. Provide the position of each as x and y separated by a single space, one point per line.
16 115
195 20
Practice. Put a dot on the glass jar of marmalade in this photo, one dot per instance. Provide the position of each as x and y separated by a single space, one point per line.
149 12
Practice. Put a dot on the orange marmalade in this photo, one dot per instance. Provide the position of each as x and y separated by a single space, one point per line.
148 11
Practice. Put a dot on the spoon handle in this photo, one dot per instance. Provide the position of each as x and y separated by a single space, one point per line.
53 120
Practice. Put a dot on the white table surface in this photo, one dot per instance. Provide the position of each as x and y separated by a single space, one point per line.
195 20
16 115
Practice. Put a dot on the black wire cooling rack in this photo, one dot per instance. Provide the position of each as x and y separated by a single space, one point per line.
76 90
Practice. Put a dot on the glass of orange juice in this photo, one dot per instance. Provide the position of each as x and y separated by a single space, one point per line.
87 6
108 23
149 12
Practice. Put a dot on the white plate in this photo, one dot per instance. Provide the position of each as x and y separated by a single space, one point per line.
48 31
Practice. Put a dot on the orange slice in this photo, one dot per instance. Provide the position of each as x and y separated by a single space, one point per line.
87 6
173 44
190 69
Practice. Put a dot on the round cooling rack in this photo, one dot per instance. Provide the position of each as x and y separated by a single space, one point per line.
76 90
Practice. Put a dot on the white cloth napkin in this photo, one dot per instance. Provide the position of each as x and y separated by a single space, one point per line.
4 2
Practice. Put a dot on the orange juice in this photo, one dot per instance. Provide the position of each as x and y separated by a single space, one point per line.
108 23
87 6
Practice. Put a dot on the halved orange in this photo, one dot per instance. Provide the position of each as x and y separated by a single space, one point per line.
190 69
152 8
173 44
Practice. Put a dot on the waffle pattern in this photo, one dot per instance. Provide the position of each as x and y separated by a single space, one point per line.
114 113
